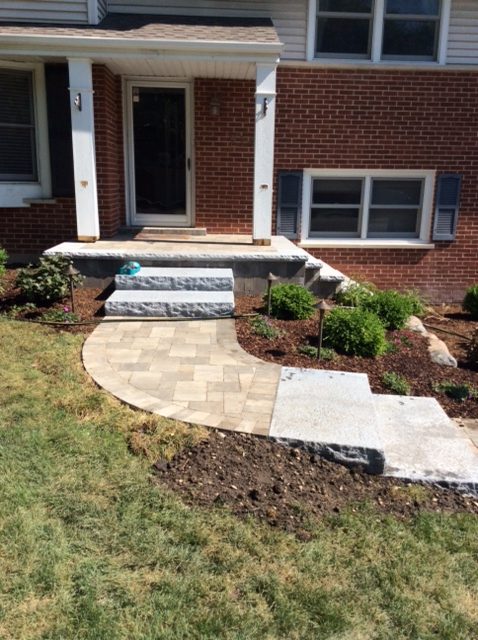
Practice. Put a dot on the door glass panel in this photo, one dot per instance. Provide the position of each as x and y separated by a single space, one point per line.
159 126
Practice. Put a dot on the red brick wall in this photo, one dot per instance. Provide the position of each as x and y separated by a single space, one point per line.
108 103
388 120
224 155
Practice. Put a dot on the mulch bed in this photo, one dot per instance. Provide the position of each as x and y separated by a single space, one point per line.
89 304
410 359
288 487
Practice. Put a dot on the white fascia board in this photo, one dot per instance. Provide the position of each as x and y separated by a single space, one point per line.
211 47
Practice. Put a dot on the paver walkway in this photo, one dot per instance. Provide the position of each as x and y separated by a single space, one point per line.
193 371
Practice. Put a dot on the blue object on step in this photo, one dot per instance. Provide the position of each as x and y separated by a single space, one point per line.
130 269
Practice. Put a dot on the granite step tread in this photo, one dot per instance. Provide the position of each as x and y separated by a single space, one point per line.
177 278
188 304
333 412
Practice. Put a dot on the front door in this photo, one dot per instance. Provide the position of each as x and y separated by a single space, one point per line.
159 155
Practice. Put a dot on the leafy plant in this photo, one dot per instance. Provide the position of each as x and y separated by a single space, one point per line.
60 315
3 265
292 302
472 350
355 294
396 383
392 307
456 391
18 309
264 328
312 352
355 332
48 282
470 302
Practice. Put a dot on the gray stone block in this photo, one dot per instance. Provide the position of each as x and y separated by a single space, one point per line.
422 443
164 278
161 304
330 412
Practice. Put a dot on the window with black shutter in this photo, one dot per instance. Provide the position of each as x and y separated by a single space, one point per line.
17 127
289 201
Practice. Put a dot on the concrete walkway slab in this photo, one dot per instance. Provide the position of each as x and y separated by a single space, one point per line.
332 412
422 443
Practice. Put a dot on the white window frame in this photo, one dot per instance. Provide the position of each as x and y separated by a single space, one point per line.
424 233
377 37
20 193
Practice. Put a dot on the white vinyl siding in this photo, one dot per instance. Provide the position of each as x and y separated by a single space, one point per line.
289 17
463 32
44 11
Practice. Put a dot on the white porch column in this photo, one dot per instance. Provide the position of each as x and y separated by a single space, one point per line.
84 157
264 152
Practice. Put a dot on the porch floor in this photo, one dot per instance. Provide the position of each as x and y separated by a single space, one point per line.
174 247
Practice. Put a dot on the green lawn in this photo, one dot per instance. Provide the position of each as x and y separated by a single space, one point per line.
91 548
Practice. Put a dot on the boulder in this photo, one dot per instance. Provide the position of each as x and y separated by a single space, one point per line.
439 353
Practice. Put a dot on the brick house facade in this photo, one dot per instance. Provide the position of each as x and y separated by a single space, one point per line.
334 118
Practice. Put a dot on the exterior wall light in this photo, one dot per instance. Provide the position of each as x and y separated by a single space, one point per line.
215 105
265 106
77 101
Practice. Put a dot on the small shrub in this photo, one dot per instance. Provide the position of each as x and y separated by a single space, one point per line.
470 302
356 332
456 391
417 305
48 282
59 315
19 309
472 350
355 294
312 352
292 302
393 308
3 265
396 383
263 327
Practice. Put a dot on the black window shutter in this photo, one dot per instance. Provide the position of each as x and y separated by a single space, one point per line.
59 130
447 206
289 201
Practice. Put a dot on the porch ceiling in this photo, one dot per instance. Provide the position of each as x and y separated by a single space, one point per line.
156 66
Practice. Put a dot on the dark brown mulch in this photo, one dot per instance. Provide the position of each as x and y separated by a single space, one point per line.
89 304
287 487
410 360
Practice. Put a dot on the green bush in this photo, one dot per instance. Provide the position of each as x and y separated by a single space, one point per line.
355 294
292 302
472 350
3 265
456 391
396 383
312 352
263 327
59 315
48 282
393 308
356 332
470 303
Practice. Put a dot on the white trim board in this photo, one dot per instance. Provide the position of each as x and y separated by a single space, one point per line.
16 194
428 176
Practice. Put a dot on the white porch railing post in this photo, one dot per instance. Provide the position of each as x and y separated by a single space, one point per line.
264 152
84 157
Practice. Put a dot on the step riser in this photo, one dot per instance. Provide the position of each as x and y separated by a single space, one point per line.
165 283
170 310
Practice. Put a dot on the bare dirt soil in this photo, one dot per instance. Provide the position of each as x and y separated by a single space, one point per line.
288 488
409 357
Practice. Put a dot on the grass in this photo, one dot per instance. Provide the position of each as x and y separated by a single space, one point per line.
90 548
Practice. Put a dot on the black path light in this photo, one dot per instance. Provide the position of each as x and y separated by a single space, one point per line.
271 278
71 272
323 307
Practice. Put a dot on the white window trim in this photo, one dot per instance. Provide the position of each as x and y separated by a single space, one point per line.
423 240
16 194
377 35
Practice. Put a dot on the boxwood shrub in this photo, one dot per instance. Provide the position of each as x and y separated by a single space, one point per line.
470 303
393 308
292 302
355 332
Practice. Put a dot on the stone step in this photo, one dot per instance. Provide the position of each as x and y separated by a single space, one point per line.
331 412
167 279
422 443
172 304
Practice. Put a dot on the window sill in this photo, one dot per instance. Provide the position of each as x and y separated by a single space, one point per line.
30 201
367 64
337 243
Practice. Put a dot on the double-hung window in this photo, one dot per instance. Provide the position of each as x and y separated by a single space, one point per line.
367 206
377 29
18 157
